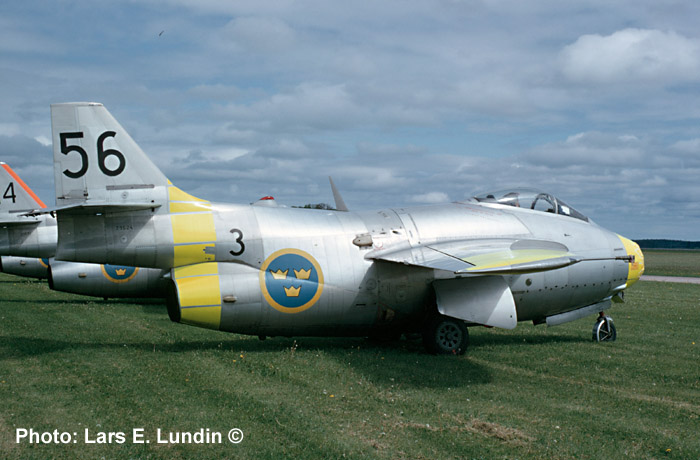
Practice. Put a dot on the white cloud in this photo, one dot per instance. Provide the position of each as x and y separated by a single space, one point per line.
590 149
266 34
217 91
43 140
690 146
401 101
14 38
632 56
430 198
308 105
373 178
9 129
686 153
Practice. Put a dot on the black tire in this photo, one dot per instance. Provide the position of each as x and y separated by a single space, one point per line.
443 335
604 330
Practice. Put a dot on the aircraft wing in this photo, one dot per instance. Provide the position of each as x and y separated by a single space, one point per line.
483 257
490 301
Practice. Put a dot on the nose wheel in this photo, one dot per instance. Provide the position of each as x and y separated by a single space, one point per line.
604 329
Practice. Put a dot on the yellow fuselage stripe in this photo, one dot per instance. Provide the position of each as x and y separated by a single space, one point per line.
193 228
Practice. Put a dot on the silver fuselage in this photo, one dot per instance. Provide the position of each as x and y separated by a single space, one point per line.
29 237
27 249
359 293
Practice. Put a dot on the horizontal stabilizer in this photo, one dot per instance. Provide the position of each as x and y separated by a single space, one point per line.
95 208
19 221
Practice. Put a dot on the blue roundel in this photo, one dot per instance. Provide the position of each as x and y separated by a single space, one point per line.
291 280
119 273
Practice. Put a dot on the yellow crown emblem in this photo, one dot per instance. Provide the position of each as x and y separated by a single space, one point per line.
120 271
292 291
302 274
279 274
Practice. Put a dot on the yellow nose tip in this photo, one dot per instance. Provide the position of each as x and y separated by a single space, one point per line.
636 267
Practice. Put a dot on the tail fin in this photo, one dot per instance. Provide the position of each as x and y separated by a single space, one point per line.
113 204
20 234
97 162
16 196
339 202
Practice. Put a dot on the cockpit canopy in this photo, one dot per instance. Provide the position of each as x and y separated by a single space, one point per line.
530 199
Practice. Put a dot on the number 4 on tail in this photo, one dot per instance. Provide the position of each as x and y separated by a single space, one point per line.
10 192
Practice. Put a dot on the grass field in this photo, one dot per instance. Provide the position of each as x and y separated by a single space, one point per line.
669 262
69 363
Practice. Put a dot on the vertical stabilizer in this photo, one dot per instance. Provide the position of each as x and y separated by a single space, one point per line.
96 161
16 195
22 235
339 202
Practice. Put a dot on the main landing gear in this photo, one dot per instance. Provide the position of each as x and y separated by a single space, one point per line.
604 329
443 335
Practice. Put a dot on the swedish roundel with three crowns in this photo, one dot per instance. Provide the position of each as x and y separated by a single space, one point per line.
119 273
291 280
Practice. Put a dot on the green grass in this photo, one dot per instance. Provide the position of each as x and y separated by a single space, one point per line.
668 262
70 363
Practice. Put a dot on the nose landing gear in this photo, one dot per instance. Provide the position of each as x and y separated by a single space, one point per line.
604 329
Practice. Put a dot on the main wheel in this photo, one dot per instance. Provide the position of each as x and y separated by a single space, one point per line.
443 335
604 330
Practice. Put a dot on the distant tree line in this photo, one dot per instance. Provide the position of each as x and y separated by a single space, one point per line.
317 206
667 244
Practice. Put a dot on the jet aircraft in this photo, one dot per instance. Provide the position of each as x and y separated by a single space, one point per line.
28 244
493 260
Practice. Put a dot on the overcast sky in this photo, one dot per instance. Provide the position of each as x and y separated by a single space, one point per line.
402 102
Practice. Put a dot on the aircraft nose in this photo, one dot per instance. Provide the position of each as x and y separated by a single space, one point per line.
636 267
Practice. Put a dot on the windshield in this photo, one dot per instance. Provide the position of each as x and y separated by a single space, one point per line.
530 199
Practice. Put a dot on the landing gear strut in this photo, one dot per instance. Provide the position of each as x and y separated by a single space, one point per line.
443 335
604 329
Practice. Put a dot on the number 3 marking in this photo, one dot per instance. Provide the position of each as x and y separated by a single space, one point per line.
239 240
